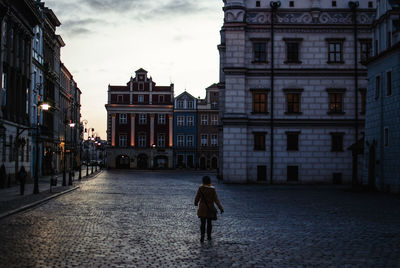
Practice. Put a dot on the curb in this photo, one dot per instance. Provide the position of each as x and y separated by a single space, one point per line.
34 204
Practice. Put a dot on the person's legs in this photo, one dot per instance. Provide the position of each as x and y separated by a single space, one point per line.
202 228
209 229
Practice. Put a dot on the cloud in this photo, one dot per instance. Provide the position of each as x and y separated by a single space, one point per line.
76 27
115 6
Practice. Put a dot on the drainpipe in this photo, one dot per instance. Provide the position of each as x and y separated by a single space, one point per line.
274 6
353 6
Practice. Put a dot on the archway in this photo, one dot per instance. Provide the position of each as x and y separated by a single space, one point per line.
161 161
142 161
214 163
122 161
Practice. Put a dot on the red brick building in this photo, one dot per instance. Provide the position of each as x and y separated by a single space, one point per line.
140 124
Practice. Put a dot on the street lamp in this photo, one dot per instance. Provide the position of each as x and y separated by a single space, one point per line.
71 165
44 107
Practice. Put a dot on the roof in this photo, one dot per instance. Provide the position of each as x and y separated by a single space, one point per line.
185 93
141 70
118 88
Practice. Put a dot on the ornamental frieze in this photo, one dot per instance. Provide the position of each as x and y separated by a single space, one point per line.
309 17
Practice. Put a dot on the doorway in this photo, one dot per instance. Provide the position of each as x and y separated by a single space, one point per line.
142 161
122 161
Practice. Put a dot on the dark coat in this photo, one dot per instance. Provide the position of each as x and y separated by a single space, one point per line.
206 194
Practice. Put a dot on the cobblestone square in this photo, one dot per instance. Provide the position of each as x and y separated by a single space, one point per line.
147 219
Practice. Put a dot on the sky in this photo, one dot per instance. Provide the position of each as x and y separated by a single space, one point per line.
108 40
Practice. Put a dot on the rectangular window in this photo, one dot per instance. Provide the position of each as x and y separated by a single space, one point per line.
141 86
292 173
161 99
120 98
291 3
366 49
123 118
260 52
161 141
142 141
214 120
258 4
363 93
180 104
190 104
204 140
204 120
161 119
292 52
293 102
259 141
260 102
189 141
337 142
140 98
214 140
180 140
180 121
336 103
389 83
335 52
142 119
122 140
261 173
386 136
377 86
190 120
292 141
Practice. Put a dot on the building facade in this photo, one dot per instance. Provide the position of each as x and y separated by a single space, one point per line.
140 124
208 124
293 90
185 131
382 126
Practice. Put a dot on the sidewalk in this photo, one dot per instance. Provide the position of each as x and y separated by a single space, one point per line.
12 202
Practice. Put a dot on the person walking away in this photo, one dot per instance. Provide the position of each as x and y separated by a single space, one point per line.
207 196
22 179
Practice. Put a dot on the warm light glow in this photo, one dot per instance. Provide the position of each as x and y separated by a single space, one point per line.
45 106
72 124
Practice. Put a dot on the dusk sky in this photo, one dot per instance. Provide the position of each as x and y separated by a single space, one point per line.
107 40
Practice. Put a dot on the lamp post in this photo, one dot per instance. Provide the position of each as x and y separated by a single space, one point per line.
71 165
44 107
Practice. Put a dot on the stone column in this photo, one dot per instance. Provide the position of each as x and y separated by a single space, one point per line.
170 129
133 116
152 129
113 116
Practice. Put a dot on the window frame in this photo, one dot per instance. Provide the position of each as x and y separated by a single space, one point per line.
365 50
292 57
204 119
190 120
259 55
180 140
259 141
389 83
337 141
189 141
292 145
203 140
123 119
257 104
142 140
161 140
214 140
377 86
123 140
334 103
142 119
338 43
180 121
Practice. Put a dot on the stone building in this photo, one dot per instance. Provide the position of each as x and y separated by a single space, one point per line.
17 20
208 123
382 126
293 89
140 124
185 131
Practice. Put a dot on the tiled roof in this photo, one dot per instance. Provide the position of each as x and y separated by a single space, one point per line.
118 88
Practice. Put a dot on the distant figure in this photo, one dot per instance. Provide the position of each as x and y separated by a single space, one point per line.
3 176
22 179
207 196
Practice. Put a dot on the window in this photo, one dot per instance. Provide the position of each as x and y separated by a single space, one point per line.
161 99
292 173
259 52
214 120
142 119
292 49
258 4
140 98
337 142
214 140
377 86
291 3
190 120
204 140
120 98
335 101
4 38
189 141
141 86
180 140
334 3
204 120
386 136
293 103
389 83
259 141
180 104
260 102
376 48
180 121
161 119
363 93
4 89
370 4
335 51
389 40
292 143
122 140
123 118
142 140
161 140
366 48
190 104
214 105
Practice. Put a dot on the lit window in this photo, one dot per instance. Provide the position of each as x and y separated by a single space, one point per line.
142 119
122 140
293 102
161 119
180 121
259 102
214 140
123 118
190 120
204 140
180 140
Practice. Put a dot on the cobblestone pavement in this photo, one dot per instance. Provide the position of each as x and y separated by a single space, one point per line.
147 219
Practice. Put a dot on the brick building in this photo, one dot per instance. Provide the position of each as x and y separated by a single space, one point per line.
140 124
293 89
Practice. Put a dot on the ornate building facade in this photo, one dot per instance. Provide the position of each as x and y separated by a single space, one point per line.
140 124
382 126
293 90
